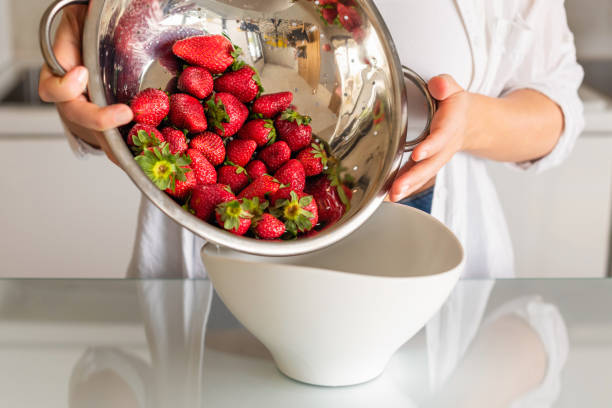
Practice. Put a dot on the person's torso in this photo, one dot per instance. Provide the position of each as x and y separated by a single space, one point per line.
430 37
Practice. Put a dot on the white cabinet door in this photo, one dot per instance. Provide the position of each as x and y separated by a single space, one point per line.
560 220
61 216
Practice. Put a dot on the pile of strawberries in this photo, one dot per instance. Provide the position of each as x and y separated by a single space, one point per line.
342 13
231 155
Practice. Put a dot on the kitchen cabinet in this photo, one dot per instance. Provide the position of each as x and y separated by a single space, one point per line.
61 216
559 220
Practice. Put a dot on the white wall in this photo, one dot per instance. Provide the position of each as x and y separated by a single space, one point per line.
591 22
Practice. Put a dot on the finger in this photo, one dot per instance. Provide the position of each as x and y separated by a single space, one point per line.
415 177
56 89
91 116
106 148
432 145
443 87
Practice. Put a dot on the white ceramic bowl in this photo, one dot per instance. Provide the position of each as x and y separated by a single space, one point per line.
336 316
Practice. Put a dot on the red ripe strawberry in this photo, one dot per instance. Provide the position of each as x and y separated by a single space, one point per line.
186 112
240 151
141 137
150 107
313 158
204 171
243 83
299 212
234 217
182 188
211 146
176 139
349 17
213 52
275 155
331 203
204 199
259 188
196 81
256 169
329 14
292 175
294 129
234 176
268 106
269 227
226 114
163 168
260 130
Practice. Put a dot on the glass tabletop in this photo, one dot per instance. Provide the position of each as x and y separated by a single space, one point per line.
127 343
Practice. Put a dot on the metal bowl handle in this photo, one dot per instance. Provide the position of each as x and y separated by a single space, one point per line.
44 34
432 106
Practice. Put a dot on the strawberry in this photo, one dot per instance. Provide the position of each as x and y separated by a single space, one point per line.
150 107
259 188
213 52
211 146
275 155
349 17
204 171
233 216
240 151
226 114
141 137
292 175
182 188
255 206
260 130
329 14
299 212
186 112
176 139
196 81
243 83
270 105
163 168
269 227
234 176
256 169
332 200
205 198
294 129
313 158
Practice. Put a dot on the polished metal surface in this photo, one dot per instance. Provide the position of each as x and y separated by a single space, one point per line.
152 343
350 83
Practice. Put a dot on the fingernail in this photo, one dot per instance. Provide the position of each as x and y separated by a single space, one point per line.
122 115
422 155
82 74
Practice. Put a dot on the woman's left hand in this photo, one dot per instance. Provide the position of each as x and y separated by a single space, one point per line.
448 135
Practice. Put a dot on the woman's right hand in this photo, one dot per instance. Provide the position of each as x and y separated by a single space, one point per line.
84 119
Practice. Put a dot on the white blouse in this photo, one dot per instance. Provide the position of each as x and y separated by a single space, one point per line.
512 45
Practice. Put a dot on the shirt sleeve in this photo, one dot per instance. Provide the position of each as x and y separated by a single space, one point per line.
550 67
79 147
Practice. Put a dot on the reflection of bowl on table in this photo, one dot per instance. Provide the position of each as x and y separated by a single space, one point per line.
336 316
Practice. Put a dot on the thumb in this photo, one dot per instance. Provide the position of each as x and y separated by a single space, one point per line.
443 87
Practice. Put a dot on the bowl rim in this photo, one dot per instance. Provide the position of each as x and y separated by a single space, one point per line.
217 235
207 252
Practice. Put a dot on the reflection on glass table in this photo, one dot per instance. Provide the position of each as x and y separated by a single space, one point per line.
84 343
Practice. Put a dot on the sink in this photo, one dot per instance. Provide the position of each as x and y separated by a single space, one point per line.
598 75
24 90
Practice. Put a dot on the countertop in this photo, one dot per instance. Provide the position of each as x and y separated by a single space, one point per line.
154 343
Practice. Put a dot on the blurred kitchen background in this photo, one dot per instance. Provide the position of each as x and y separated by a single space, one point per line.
65 217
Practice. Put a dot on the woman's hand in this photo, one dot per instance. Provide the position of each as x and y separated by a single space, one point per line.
449 128
83 118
